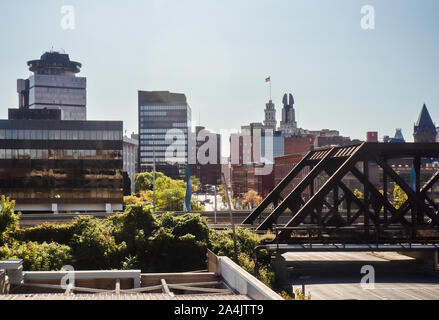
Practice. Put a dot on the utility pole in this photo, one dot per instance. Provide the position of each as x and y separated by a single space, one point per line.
153 175
215 205
226 190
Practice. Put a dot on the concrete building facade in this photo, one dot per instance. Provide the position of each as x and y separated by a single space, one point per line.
130 158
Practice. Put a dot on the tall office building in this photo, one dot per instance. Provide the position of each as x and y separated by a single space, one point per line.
164 122
288 122
51 158
54 85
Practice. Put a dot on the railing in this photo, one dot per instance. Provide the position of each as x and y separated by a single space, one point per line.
357 235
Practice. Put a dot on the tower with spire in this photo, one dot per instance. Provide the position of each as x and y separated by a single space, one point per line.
288 122
424 129
270 116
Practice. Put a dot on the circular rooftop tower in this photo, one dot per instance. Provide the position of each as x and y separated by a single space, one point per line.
54 63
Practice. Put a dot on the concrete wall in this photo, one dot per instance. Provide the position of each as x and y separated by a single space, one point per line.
243 282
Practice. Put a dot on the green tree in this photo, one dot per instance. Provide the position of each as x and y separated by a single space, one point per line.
8 219
144 180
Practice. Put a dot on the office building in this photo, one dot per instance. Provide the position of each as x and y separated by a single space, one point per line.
51 158
54 85
61 165
164 122
130 158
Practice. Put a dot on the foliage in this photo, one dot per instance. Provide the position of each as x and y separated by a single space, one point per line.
251 198
298 295
38 257
196 184
399 196
126 225
268 236
358 194
8 219
170 193
221 242
46 233
94 247
144 180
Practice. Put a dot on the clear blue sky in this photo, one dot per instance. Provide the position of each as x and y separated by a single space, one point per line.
219 52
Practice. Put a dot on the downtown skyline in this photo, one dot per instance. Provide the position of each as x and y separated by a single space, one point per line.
337 72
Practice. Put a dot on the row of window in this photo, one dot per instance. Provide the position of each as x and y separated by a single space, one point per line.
25 134
162 142
163 148
60 154
94 193
148 108
171 136
156 130
153 113
171 154
163 159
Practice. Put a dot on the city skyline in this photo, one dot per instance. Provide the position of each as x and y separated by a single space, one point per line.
334 69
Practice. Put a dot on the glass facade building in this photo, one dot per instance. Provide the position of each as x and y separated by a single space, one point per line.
54 165
54 85
164 121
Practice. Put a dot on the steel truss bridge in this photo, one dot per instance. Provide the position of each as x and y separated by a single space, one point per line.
336 217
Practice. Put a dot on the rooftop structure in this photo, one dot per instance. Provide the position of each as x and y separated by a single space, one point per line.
224 280
424 129
54 85
398 138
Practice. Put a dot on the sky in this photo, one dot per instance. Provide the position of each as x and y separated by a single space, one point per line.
219 52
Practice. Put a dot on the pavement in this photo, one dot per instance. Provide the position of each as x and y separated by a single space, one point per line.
338 276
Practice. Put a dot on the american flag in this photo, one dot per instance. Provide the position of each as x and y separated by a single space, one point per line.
268 79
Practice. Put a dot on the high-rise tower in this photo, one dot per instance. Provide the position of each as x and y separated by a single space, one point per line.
270 116
424 129
54 85
288 122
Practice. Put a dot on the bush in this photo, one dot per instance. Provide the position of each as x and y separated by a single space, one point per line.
38 257
126 226
61 234
221 242
170 253
94 247
8 219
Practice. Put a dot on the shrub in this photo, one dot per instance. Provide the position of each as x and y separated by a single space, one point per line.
93 245
8 219
61 234
125 226
38 257
221 242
